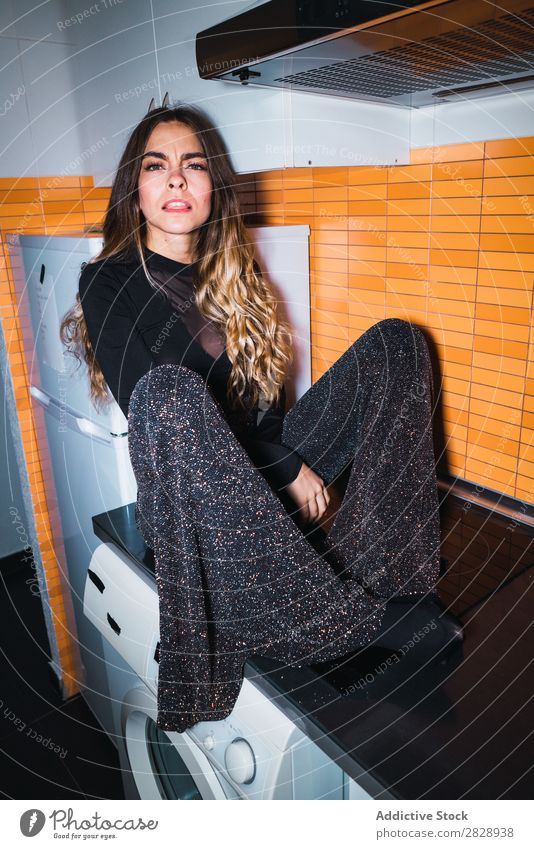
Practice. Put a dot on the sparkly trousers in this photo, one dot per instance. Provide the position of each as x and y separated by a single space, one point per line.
236 575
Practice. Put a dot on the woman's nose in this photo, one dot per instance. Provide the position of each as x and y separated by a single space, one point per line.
177 178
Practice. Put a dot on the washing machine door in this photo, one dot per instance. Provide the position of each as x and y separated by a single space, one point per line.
163 765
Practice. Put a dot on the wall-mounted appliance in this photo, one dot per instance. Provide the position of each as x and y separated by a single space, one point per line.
407 53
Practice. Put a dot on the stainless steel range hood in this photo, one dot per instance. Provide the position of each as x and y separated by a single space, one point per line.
405 53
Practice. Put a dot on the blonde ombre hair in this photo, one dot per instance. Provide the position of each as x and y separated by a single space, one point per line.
230 288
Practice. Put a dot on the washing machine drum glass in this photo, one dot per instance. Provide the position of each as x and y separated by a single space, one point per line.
173 776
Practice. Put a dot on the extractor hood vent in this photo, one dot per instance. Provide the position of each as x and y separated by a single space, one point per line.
413 57
499 47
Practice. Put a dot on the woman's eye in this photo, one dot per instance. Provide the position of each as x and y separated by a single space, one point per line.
194 165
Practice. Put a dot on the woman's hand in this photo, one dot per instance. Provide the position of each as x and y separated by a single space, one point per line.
309 493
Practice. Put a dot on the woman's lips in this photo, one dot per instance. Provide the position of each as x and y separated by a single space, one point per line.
177 209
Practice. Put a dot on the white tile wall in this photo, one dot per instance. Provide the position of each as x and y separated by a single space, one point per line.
89 71
510 115
16 150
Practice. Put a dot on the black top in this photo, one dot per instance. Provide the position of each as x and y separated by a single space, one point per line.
133 328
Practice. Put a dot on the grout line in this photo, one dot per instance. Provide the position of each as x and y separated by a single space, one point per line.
475 301
155 50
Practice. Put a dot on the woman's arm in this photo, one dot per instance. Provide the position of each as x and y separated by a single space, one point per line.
119 348
279 464
284 467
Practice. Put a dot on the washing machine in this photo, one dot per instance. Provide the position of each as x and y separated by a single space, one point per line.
257 752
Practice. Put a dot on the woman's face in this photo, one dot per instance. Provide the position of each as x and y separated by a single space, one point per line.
174 168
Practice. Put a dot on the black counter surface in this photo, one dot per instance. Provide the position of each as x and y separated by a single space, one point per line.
460 729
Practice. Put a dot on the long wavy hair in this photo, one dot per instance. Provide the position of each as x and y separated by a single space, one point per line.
230 288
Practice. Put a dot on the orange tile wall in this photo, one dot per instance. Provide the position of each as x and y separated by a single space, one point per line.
446 242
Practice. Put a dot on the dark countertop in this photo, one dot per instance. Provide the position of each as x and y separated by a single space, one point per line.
461 729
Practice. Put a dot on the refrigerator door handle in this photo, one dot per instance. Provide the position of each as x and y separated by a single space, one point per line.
89 428
69 419
40 396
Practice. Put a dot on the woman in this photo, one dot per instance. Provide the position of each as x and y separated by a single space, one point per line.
175 318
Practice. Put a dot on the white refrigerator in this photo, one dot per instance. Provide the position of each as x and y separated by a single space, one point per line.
88 450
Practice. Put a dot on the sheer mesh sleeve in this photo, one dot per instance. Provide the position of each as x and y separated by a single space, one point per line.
180 290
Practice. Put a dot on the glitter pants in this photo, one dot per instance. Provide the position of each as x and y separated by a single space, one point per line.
236 575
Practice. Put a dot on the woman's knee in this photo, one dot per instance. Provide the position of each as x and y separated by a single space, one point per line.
170 408
167 388
168 413
395 336
397 330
